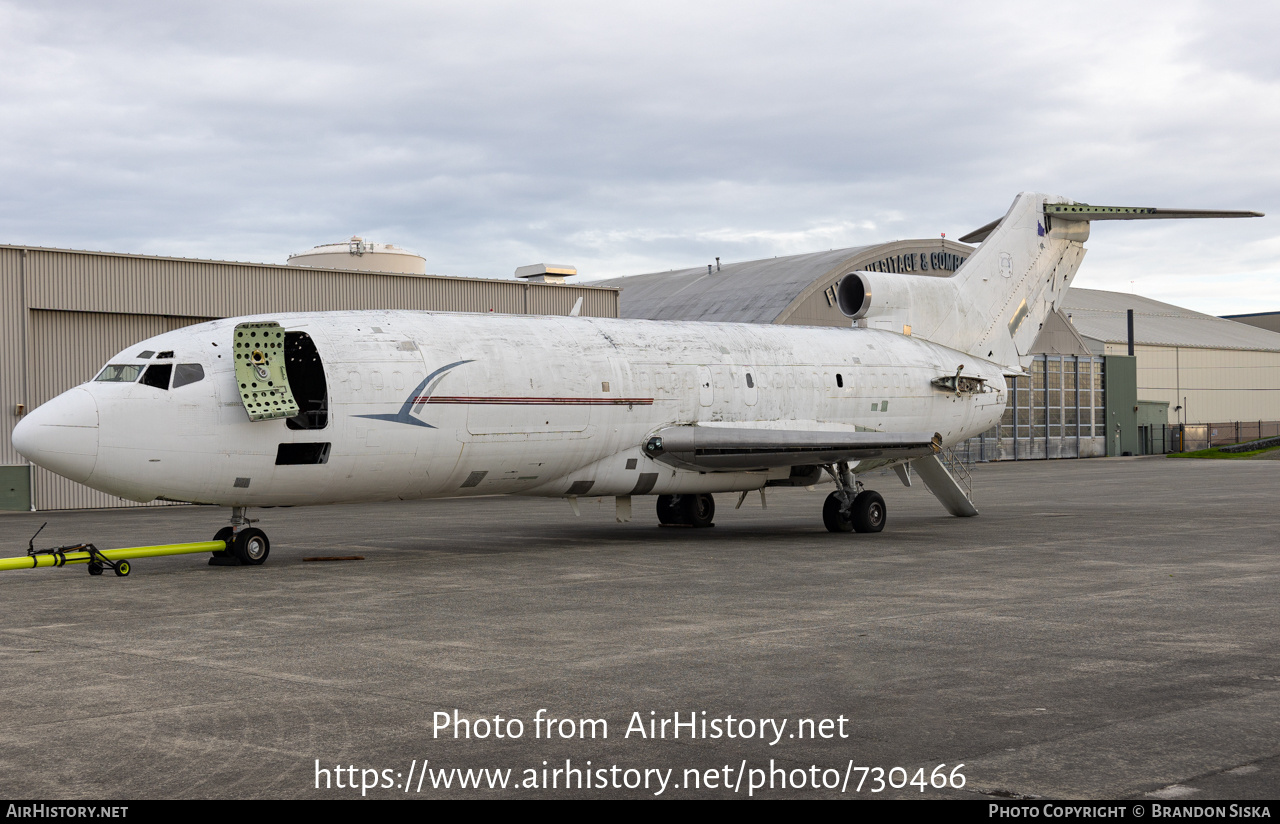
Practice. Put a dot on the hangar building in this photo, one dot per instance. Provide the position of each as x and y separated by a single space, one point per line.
1262 320
64 312
1216 369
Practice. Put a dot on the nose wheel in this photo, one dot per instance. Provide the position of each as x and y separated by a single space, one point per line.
246 545
251 547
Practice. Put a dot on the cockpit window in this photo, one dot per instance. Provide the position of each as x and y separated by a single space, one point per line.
120 373
157 375
145 355
185 373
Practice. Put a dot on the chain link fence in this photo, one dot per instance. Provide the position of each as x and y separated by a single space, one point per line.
1176 437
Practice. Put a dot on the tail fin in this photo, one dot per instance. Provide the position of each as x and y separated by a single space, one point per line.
997 301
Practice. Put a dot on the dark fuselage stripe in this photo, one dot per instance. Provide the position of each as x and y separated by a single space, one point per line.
541 401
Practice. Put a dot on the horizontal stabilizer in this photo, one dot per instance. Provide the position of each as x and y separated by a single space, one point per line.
1083 211
1077 212
723 448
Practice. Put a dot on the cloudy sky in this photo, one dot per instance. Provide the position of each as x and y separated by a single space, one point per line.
633 137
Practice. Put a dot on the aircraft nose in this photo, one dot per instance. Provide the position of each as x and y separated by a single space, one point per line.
62 435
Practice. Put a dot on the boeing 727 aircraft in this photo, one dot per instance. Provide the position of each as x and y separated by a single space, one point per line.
315 408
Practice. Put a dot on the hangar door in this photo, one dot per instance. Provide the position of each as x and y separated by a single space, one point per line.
67 349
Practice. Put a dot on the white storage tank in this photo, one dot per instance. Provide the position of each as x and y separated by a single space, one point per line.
362 255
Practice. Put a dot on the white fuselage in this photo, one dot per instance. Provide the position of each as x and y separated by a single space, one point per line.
424 405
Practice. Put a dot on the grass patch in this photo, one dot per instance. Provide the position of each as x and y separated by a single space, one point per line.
1217 453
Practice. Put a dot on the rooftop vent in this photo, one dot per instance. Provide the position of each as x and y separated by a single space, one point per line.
546 272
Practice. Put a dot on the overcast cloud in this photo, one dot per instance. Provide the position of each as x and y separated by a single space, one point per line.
632 138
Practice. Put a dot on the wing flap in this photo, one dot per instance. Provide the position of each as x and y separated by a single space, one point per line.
723 448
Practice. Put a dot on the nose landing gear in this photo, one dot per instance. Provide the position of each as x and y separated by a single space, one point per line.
246 545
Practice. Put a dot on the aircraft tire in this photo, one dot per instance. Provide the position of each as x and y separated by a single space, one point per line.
668 512
697 510
832 516
226 535
252 547
869 513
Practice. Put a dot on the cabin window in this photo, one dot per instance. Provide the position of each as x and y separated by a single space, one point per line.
157 375
120 373
185 373
306 380
751 384
295 454
839 380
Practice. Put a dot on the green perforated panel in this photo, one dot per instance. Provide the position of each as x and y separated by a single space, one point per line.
260 372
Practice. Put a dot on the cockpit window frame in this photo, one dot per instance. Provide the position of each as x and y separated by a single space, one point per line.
157 376
119 375
185 374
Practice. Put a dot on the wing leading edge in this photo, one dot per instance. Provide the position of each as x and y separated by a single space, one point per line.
724 448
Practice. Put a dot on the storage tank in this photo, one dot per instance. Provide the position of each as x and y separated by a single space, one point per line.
362 256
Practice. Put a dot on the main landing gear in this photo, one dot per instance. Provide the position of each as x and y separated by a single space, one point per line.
686 510
246 545
851 508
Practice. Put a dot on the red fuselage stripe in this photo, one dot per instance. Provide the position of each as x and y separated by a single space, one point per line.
540 401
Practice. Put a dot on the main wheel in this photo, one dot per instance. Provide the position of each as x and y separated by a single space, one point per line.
251 546
697 510
869 513
668 511
833 515
226 535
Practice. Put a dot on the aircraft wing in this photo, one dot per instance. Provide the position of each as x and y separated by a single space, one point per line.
727 448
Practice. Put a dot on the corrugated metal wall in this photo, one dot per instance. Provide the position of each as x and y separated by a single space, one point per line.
559 300
1213 384
92 282
11 350
83 307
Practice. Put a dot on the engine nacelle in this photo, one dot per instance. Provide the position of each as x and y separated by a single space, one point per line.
888 300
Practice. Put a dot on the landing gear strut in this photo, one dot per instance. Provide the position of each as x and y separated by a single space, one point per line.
686 510
851 508
246 545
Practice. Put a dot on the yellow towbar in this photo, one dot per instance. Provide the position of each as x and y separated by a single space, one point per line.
116 559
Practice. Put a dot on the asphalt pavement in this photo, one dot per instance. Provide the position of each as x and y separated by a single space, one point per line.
1105 628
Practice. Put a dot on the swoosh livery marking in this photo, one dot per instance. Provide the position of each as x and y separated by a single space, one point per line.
540 401
405 415
423 394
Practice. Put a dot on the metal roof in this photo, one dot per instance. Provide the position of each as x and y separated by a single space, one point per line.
1104 316
754 291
